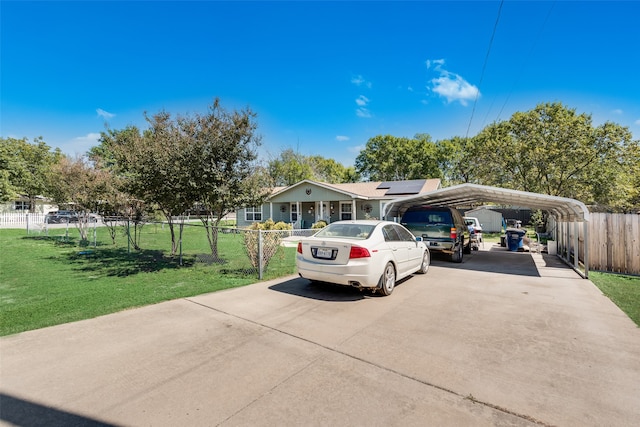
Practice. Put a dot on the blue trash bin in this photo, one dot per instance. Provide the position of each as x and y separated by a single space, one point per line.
514 239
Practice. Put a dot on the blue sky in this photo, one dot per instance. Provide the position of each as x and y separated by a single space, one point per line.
323 77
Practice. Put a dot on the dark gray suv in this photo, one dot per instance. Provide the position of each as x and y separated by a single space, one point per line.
441 228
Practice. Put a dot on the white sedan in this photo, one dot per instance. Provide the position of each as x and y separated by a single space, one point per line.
362 253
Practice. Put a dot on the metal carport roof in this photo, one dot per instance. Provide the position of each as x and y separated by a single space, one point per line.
562 208
567 213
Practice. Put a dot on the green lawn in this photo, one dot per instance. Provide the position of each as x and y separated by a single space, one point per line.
623 290
49 280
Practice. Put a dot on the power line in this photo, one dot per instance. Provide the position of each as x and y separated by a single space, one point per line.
535 42
484 66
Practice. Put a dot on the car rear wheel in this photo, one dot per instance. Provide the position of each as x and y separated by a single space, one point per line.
457 255
387 280
426 261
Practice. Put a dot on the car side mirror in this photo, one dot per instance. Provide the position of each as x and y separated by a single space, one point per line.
418 239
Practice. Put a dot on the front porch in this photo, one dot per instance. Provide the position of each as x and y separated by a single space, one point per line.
303 214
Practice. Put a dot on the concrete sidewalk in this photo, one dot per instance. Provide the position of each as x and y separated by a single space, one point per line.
502 339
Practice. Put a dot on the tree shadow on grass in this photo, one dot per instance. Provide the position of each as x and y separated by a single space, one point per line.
65 241
119 263
105 260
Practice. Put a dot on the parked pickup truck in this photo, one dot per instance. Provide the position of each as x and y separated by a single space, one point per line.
474 223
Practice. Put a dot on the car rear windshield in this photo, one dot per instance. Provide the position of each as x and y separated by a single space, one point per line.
427 217
346 231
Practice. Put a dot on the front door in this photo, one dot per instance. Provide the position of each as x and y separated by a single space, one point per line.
322 212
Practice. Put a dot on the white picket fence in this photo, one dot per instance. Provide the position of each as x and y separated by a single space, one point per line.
20 220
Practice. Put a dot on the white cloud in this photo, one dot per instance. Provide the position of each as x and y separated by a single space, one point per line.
454 88
356 148
342 138
360 81
104 114
436 63
617 111
363 112
451 85
362 101
88 138
637 122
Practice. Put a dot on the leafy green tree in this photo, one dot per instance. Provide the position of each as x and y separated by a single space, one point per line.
152 166
221 164
117 203
389 158
629 182
291 167
553 150
328 170
204 160
7 163
76 182
458 160
24 168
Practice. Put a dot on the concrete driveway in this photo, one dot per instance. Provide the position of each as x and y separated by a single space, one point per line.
507 339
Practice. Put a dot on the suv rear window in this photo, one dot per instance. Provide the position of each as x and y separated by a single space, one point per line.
427 217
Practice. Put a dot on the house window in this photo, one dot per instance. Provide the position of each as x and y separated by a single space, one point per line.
253 214
294 212
21 205
345 211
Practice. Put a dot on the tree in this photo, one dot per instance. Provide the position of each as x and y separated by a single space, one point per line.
389 158
458 161
553 150
24 168
330 171
221 165
77 183
8 191
153 167
291 167
204 160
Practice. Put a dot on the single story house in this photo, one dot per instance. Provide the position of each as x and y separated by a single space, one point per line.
22 204
307 202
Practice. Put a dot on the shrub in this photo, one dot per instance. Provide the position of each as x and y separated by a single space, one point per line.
270 241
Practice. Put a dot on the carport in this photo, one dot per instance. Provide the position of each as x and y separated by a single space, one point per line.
566 214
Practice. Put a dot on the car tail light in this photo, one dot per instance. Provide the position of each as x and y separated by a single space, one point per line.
299 247
359 252
454 233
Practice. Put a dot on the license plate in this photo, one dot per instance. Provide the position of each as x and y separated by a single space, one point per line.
324 253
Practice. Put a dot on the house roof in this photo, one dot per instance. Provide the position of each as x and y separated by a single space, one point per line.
373 189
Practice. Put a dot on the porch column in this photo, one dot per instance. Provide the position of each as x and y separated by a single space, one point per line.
353 209
270 210
320 211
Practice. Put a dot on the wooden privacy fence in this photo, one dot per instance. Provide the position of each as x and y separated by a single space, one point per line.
614 242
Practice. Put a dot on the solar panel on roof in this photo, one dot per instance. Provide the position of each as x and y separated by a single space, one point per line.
383 185
405 187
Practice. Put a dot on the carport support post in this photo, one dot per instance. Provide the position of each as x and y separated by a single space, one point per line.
586 249
576 247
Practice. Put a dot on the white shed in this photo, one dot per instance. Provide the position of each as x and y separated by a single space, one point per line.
490 220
